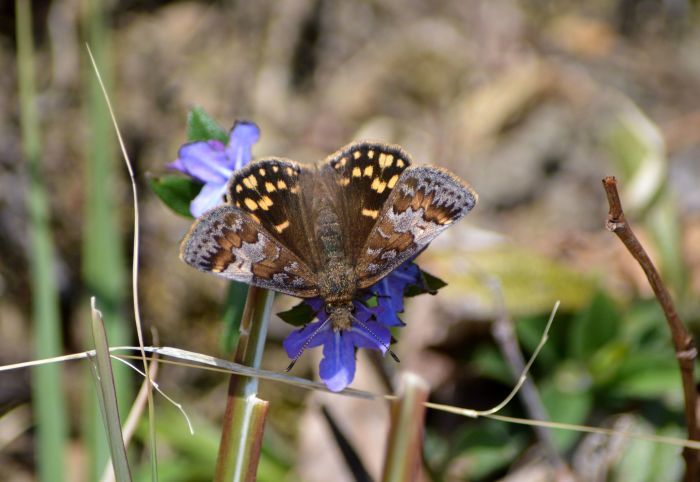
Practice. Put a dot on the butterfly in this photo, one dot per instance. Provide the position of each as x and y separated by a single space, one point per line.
327 230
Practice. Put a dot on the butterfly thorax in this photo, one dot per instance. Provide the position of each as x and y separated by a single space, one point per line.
337 280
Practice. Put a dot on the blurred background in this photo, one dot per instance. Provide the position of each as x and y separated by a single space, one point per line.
532 102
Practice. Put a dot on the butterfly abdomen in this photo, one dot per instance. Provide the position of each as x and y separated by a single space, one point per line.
337 281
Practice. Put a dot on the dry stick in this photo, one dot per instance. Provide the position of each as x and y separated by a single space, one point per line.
682 340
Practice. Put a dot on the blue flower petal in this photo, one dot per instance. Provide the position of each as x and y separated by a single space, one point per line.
298 339
205 161
371 335
211 195
212 163
387 315
337 368
241 140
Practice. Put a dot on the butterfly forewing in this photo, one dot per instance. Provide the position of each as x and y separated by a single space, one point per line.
270 191
363 175
425 201
226 241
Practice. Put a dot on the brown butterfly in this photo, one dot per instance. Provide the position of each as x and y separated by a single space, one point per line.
329 229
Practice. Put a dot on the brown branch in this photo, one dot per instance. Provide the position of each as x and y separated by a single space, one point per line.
682 340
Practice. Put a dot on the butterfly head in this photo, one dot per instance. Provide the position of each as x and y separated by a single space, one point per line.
340 315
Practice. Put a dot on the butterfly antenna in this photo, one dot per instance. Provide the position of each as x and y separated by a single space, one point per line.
364 325
306 344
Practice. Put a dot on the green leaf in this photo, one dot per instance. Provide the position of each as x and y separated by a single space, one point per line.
429 284
647 462
567 398
482 450
176 192
201 127
594 327
300 315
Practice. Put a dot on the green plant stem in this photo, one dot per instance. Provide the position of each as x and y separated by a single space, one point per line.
47 388
244 418
405 441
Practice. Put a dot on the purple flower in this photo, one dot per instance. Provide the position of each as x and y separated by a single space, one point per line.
368 330
212 163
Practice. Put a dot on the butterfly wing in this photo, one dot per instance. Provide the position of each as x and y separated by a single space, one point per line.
272 191
362 175
228 242
425 201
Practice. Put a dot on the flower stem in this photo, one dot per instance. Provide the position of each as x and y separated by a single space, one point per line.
244 418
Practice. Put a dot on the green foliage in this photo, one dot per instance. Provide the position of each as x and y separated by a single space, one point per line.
472 452
593 327
604 359
202 127
299 315
176 192
430 284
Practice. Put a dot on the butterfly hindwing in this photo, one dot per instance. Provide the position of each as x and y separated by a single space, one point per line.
226 241
425 201
364 174
270 191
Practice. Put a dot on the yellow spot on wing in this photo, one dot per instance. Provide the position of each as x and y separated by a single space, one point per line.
392 181
250 204
356 172
253 181
290 172
382 160
372 213
388 160
368 170
239 188
400 163
356 154
281 185
370 154
381 187
265 202
255 218
261 171
282 226
275 168
375 183
294 190
343 181
247 183
269 187
343 161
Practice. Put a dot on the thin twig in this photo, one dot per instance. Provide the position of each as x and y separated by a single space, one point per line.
504 333
686 352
